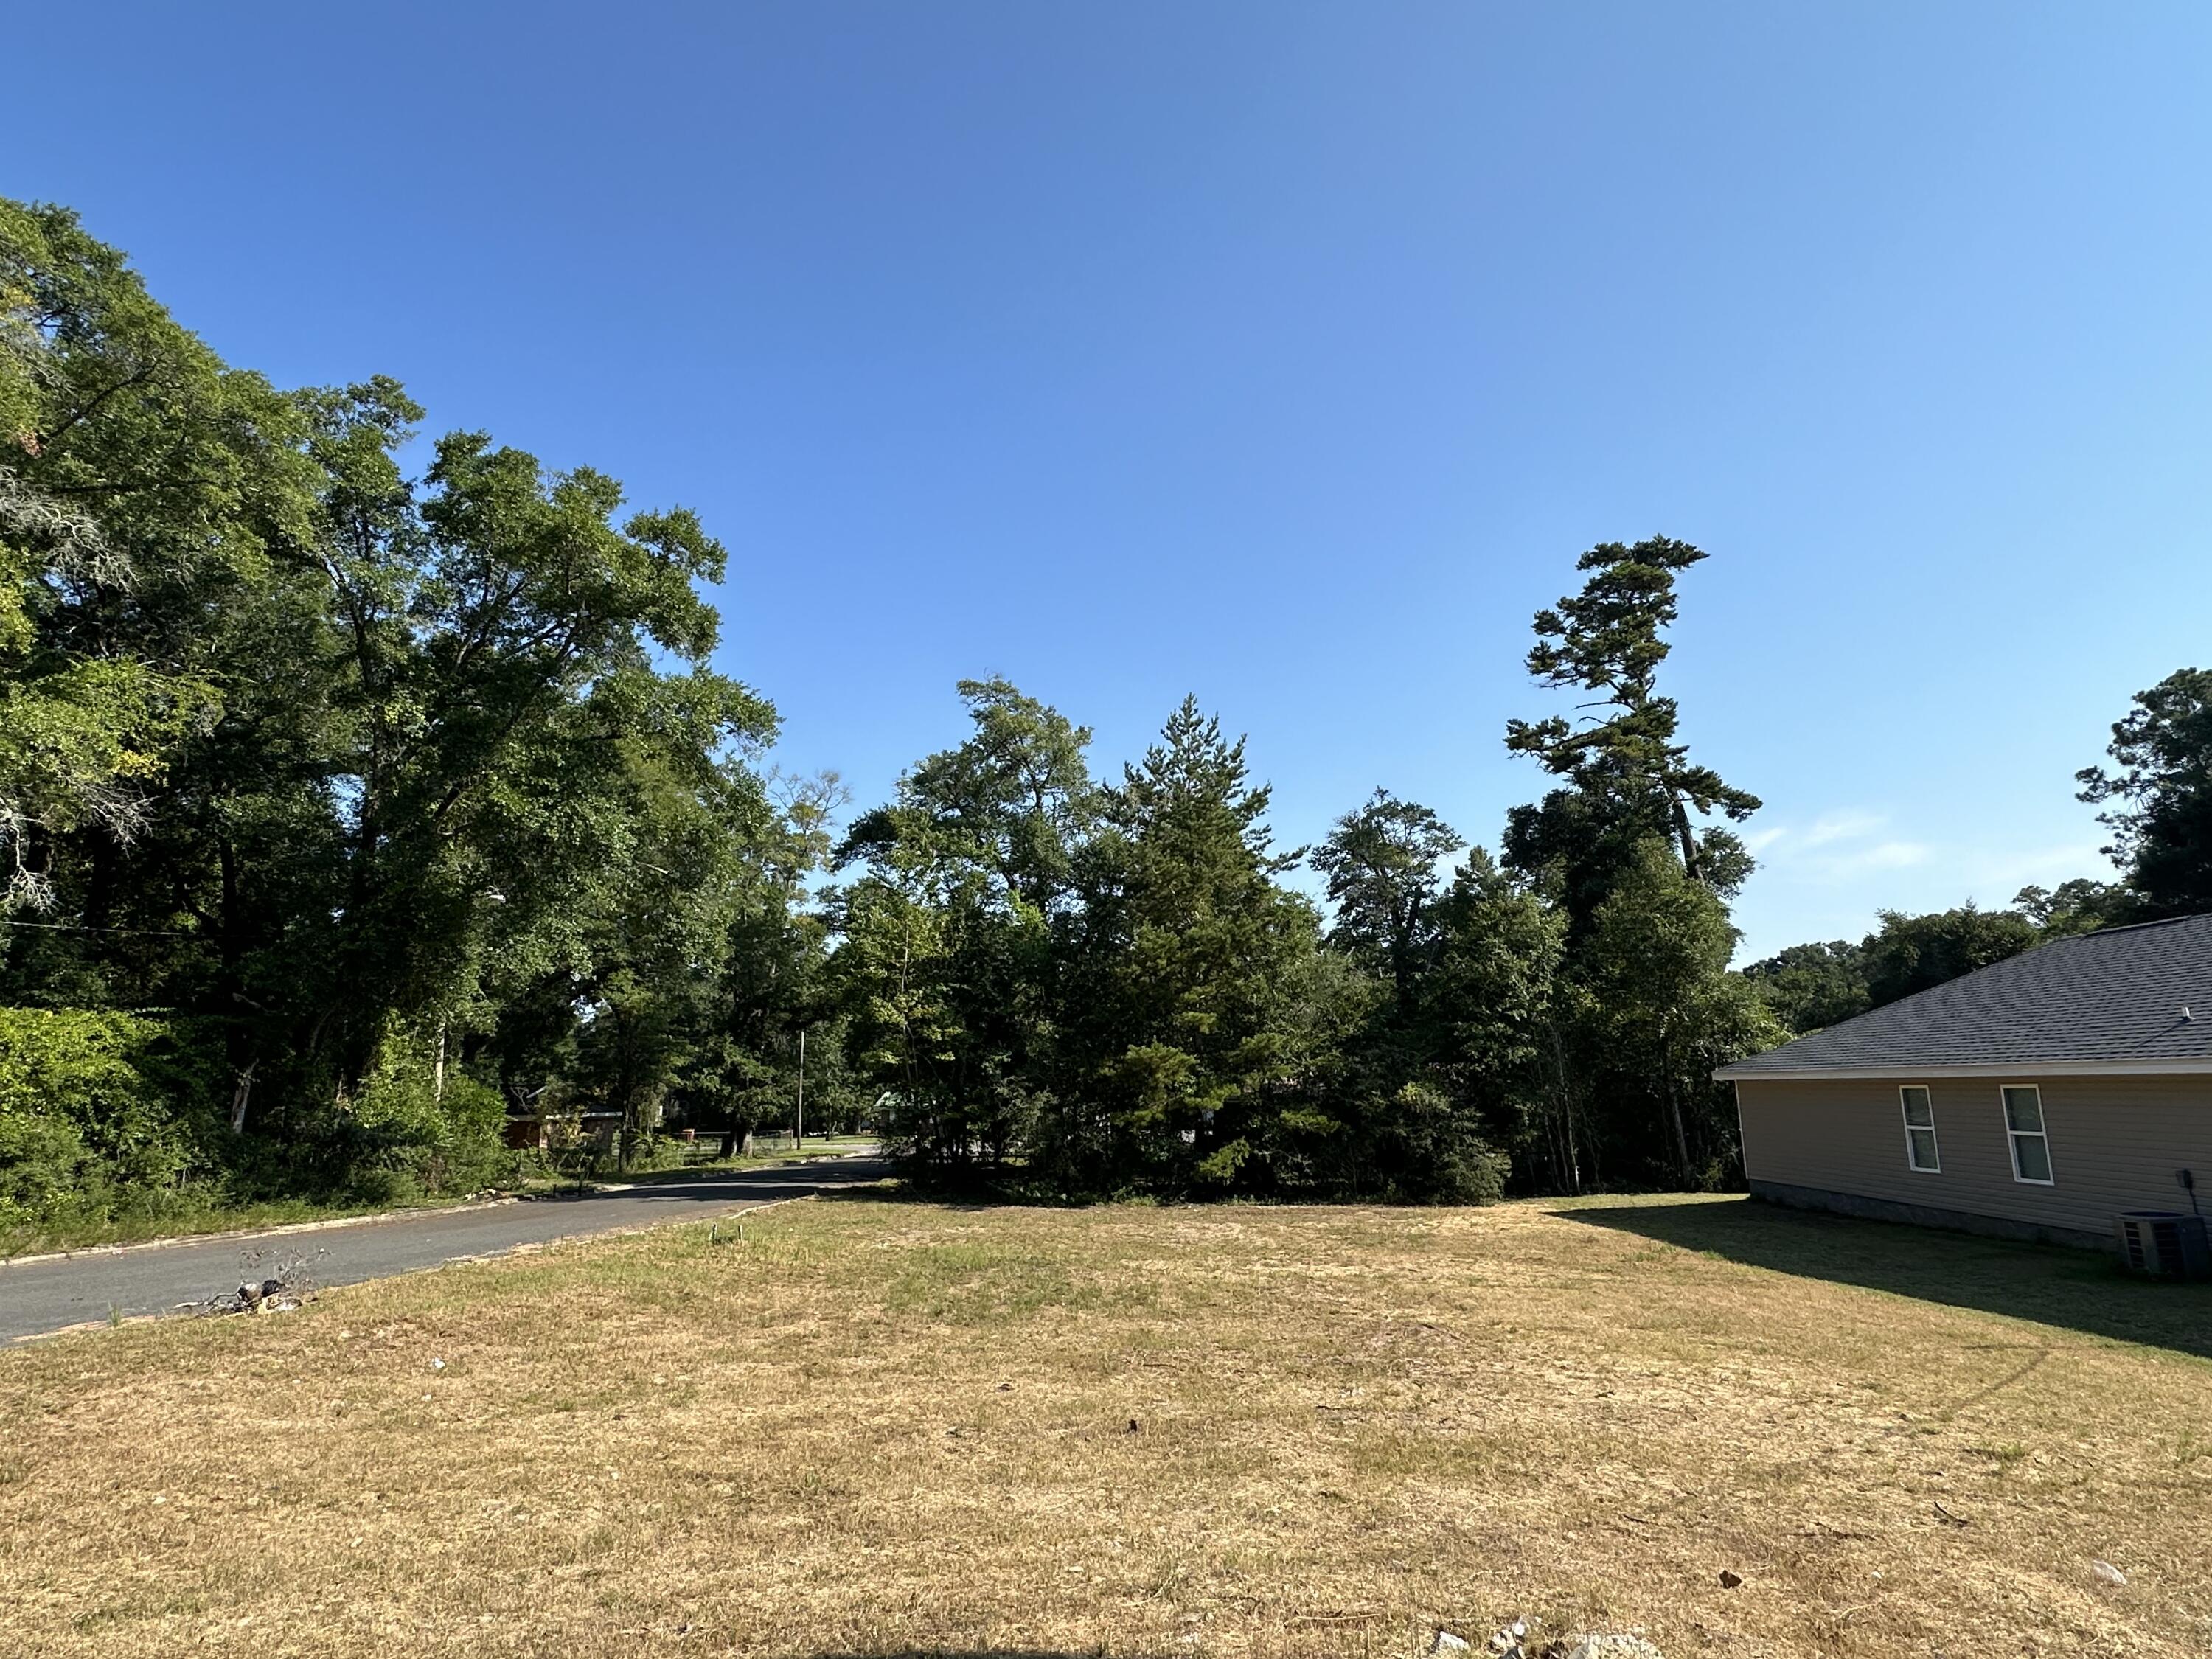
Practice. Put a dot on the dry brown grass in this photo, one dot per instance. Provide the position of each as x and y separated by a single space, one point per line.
892 1428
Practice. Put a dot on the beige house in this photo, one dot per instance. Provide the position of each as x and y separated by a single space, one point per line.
2042 1097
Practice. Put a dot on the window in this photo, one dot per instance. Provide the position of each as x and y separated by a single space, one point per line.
1919 1129
2031 1148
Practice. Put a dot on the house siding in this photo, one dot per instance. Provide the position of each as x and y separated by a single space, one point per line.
2116 1143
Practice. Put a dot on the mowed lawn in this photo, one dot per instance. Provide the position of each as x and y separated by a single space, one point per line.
888 1428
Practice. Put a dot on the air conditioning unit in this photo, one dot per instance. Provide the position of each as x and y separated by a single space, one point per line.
2165 1243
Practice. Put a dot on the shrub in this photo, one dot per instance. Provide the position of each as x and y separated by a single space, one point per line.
98 1111
1428 1150
410 1139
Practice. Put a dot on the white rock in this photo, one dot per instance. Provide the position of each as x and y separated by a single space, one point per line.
2109 1573
1447 1642
1610 1645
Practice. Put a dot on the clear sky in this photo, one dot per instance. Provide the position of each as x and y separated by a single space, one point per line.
1284 353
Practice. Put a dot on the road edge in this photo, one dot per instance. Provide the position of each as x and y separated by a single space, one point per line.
239 1234
528 1248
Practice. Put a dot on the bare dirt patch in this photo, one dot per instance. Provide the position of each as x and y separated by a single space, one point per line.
876 1429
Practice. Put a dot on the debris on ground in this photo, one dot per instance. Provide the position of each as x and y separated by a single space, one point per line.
1730 1580
286 1286
2108 1574
253 1297
1506 1642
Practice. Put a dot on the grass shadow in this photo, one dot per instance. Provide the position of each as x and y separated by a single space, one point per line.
2051 1284
710 1171
895 1190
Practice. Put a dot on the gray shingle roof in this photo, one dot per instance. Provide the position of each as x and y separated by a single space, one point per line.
2111 999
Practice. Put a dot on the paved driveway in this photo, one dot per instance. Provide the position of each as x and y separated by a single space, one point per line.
38 1296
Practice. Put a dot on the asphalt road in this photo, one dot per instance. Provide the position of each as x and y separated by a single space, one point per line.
39 1297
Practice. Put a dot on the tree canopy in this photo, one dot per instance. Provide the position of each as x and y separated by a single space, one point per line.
2158 796
1625 761
395 798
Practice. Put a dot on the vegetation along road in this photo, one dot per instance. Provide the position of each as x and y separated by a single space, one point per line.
37 1297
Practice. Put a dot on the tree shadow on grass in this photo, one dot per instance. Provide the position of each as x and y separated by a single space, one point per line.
981 1194
903 1192
2079 1290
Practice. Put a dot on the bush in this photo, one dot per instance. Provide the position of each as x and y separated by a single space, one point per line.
114 1123
98 1112
1428 1150
408 1140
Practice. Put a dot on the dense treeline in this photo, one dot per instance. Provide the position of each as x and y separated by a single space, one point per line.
1109 979
355 808
360 794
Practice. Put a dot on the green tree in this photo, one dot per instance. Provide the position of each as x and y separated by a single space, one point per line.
1497 1010
161 579
896 962
1630 773
2078 906
1016 800
2158 796
682 861
1380 864
408 788
1642 1004
1664 1013
946 947
1914 953
1810 987
772 982
1184 1006
128 456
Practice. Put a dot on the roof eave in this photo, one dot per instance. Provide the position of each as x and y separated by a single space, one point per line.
2192 1066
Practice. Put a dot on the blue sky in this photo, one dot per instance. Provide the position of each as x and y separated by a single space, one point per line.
1282 353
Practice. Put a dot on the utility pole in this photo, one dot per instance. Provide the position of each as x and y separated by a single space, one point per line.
799 1133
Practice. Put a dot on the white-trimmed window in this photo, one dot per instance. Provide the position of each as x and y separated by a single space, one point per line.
1919 1128
2031 1147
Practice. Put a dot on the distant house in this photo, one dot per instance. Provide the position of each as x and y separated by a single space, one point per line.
528 1129
2041 1097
